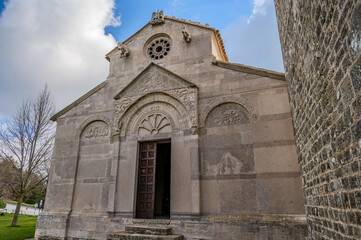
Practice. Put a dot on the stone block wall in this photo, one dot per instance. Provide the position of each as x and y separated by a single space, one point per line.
321 45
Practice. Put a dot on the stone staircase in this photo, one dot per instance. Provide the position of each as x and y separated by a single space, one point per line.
144 232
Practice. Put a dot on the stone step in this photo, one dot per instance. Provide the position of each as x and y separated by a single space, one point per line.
136 236
150 230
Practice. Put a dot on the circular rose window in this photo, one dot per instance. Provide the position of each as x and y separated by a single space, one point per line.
158 48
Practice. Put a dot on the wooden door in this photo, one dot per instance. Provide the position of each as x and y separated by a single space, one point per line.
146 180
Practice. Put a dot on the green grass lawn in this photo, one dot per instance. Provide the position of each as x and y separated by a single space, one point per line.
25 229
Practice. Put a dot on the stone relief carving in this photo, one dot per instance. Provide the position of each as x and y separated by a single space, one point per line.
244 101
229 164
153 81
124 50
227 114
154 124
96 130
186 35
187 96
119 108
157 18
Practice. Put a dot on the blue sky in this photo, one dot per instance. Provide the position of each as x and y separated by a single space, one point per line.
63 43
218 14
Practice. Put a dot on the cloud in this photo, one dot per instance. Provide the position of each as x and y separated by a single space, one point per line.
61 43
254 40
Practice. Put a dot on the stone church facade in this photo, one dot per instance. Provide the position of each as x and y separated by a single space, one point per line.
178 137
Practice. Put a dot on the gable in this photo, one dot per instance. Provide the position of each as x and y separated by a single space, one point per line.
152 79
218 42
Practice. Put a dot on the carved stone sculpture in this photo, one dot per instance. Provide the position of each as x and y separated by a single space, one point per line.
124 50
96 130
154 124
227 114
186 35
157 18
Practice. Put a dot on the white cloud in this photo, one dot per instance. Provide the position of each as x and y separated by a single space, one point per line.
254 40
61 43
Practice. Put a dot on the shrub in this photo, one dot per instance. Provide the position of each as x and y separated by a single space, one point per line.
2 204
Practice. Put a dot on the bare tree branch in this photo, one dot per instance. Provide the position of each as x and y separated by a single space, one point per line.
27 143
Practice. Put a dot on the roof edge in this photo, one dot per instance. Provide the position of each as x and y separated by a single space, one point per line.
78 101
252 70
107 56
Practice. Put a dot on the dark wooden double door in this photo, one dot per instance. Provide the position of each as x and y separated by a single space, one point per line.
153 191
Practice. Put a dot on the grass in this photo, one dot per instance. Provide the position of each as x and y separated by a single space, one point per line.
24 229
24 204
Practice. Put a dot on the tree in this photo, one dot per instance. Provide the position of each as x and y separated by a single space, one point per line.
7 176
26 145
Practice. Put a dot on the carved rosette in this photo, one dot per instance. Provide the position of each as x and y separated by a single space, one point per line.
154 124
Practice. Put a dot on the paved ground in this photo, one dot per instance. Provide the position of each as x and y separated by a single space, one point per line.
23 210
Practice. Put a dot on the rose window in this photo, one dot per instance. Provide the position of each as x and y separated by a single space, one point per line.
158 48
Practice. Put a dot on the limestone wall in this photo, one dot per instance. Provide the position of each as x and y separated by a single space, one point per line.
321 45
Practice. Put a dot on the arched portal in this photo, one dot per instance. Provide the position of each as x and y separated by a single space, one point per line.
156 141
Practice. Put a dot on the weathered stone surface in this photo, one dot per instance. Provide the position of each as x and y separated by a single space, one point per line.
321 50
231 144
154 230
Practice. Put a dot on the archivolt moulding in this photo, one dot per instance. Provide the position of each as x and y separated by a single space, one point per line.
181 100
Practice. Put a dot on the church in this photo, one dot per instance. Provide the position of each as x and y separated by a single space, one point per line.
176 143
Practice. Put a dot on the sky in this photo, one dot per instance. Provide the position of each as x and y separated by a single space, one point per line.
63 43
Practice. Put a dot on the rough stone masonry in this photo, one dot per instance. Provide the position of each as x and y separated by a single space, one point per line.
321 45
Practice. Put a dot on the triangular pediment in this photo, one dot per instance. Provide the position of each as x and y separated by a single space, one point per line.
153 78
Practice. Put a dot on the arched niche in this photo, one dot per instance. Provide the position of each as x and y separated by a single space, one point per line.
92 166
89 120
